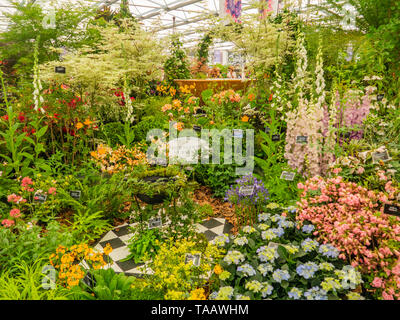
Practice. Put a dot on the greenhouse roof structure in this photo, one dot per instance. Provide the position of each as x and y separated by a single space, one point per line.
187 17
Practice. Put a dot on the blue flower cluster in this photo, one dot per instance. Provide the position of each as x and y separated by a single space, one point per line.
283 223
308 228
280 275
292 209
247 270
309 245
259 197
267 254
315 293
307 270
295 293
264 217
328 250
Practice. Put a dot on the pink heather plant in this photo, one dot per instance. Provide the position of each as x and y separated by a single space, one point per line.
349 216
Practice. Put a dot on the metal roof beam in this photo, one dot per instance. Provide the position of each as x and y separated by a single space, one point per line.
171 7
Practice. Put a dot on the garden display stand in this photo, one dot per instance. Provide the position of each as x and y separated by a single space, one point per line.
218 84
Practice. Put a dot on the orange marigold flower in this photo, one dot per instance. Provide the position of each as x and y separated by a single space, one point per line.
245 119
79 125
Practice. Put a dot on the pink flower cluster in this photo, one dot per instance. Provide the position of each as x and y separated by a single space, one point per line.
15 214
26 184
349 216
13 198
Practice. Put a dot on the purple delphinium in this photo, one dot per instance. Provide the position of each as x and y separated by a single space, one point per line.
259 197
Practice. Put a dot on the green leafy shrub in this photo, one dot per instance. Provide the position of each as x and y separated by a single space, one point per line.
148 123
26 284
108 286
27 243
110 131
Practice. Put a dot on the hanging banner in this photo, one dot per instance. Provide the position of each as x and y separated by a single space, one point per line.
234 9
270 5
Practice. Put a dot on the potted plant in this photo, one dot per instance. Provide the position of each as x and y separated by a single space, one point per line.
154 185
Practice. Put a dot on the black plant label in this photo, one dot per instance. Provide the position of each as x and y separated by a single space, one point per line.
392 209
60 70
302 139
155 223
276 137
76 194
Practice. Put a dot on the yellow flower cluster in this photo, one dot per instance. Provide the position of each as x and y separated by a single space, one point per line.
177 279
66 261
112 161
186 89
197 294
166 90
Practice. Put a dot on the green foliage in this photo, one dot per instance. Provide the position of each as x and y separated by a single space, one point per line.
88 225
144 244
272 164
128 136
126 52
267 254
141 292
108 286
28 245
110 132
203 47
26 23
176 66
107 195
148 123
216 176
26 284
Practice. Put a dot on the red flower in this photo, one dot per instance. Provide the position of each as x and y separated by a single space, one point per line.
5 117
21 117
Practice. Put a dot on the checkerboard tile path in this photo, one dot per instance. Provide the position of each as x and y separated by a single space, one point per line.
118 239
